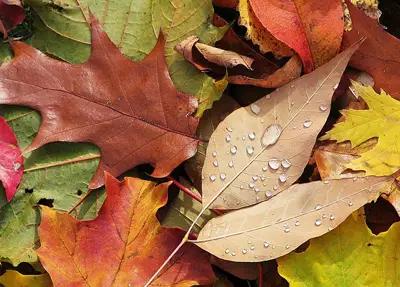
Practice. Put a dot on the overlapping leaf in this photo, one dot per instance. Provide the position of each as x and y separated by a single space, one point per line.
260 150
130 110
126 240
13 278
348 256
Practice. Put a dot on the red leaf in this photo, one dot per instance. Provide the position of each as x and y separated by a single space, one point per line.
11 160
312 28
11 14
378 55
123 246
131 110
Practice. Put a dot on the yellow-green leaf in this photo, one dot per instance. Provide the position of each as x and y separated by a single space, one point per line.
349 256
13 278
382 121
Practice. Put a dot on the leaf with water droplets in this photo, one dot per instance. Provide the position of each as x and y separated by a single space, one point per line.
294 216
281 127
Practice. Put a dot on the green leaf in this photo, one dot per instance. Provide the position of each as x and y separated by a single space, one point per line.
58 172
349 256
61 30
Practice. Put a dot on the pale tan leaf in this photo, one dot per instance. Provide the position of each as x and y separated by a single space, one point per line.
276 227
239 170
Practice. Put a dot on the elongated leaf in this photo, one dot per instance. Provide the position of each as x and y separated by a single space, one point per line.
276 227
260 150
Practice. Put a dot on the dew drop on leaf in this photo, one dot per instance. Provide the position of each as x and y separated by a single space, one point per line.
249 150
307 123
213 178
255 109
274 163
323 108
282 177
252 136
271 135
233 149
318 222
286 163
215 163
222 176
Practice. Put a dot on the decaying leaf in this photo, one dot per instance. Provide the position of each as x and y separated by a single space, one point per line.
378 55
311 28
278 226
13 278
123 246
11 160
350 255
130 110
239 170
380 121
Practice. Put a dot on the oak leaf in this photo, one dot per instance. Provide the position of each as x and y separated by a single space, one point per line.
125 240
311 28
130 110
11 160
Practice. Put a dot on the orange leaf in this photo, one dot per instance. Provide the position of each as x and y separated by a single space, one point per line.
123 246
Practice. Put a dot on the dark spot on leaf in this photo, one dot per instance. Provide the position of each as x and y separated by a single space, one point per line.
46 202
79 192
28 190
369 244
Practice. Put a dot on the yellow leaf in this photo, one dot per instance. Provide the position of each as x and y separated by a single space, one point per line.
15 279
382 121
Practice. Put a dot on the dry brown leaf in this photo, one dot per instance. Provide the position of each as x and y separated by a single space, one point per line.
239 169
276 227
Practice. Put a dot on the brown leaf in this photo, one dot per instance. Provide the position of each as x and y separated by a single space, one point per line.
131 110
379 54
226 3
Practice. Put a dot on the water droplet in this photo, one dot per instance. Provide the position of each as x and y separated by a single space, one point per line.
229 129
251 185
318 222
266 244
233 253
215 163
332 217
257 190
271 135
17 166
243 138
233 149
318 207
252 247
213 178
264 168
244 251
255 109
286 163
230 164
350 203
262 178
274 163
307 123
354 178
241 187
249 150
228 138
287 230
275 187
323 108
227 251
268 193
282 177
252 136
287 246
297 223
335 87
254 178
330 228
222 176
214 154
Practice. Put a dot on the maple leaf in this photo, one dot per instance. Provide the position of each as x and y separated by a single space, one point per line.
347 256
126 239
311 28
378 55
130 110
11 160
381 120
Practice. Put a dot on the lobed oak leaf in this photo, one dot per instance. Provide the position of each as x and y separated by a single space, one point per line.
123 246
130 110
11 160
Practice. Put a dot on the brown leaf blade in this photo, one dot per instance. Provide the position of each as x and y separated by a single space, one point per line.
276 227
131 110
123 246
239 169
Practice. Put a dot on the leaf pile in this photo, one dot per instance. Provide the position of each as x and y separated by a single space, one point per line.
186 143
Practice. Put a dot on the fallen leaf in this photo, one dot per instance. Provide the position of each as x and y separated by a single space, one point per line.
347 256
290 71
380 121
239 170
12 278
11 14
127 239
61 30
378 55
226 3
311 28
130 110
258 34
294 216
11 160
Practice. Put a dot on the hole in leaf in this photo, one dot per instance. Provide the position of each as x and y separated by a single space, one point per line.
28 190
79 192
46 202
